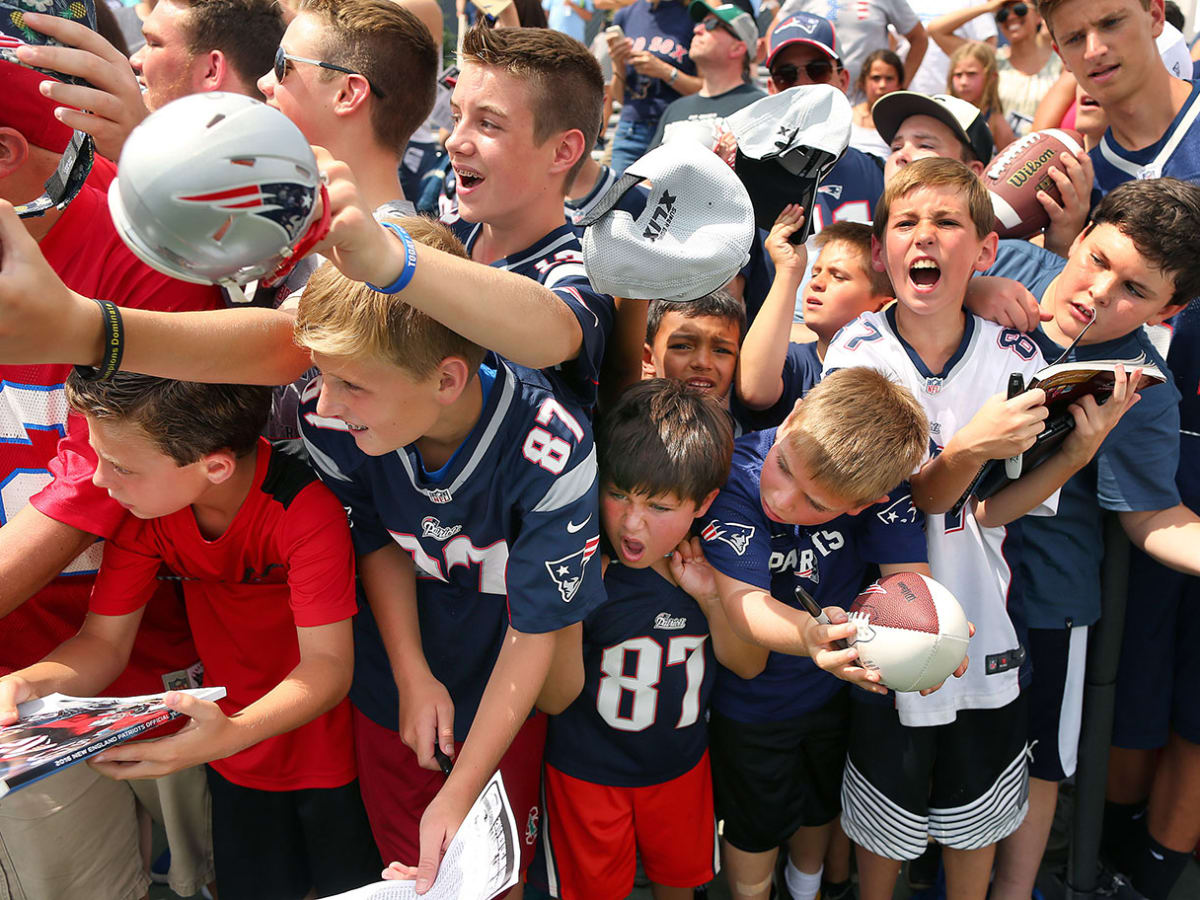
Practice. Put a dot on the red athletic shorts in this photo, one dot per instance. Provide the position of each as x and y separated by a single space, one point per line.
594 830
396 790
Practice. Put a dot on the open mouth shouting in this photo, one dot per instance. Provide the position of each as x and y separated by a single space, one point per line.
924 273
631 550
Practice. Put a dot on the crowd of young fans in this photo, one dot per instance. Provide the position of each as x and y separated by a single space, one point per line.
512 522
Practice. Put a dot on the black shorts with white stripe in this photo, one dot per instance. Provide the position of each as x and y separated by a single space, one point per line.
965 784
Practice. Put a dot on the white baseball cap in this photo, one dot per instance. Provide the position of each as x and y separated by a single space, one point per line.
787 143
688 236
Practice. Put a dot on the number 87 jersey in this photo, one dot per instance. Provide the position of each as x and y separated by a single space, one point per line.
648 675
506 533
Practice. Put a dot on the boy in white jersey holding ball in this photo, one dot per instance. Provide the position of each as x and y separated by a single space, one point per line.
964 779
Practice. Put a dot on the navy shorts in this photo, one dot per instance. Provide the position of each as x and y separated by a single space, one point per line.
1158 680
1059 657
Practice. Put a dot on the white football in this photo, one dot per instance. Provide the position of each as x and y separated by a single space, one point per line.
911 630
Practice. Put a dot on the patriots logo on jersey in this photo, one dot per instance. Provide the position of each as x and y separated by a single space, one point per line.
900 512
735 534
432 528
567 572
284 203
833 190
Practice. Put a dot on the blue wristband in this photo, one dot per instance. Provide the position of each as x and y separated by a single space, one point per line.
410 262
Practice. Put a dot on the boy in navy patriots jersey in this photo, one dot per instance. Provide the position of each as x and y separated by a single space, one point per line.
1110 49
813 504
627 771
469 472
526 110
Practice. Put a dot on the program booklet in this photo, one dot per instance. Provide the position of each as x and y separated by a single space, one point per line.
482 861
57 731
1064 384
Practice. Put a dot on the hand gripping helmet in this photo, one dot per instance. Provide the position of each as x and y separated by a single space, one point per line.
218 188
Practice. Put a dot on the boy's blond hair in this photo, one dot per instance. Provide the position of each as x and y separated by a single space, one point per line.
856 236
346 319
935 172
859 433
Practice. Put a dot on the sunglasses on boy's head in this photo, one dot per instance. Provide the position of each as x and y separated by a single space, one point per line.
282 58
1020 10
818 71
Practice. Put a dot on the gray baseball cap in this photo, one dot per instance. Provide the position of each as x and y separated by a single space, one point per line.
740 22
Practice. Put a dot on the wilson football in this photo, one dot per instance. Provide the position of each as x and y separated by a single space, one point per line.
1016 175
910 629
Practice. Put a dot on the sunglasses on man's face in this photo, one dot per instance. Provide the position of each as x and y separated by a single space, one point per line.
1020 10
282 58
712 23
817 71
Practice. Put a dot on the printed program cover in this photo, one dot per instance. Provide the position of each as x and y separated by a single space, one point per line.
57 731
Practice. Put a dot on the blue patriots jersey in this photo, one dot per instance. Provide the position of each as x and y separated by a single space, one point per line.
1176 153
833 562
556 262
649 667
849 192
505 533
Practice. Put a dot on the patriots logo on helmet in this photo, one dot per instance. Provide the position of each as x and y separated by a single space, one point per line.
286 204
567 572
900 512
735 534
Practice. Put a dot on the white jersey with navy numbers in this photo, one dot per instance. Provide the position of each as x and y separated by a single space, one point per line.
506 533
977 564
1176 153
556 262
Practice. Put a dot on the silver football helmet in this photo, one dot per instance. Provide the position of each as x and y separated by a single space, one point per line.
216 188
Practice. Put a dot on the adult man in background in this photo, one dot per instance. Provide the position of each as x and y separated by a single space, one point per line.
724 44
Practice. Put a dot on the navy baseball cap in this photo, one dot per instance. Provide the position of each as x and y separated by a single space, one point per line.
804 28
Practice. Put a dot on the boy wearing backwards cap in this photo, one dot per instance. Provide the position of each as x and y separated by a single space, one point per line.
918 126
49 551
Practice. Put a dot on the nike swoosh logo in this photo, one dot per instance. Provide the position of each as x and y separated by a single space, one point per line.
572 527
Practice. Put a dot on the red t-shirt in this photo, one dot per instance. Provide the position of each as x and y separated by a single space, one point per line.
85 250
285 562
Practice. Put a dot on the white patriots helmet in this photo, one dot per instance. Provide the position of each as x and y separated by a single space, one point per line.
216 188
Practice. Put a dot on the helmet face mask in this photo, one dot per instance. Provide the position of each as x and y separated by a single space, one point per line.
215 188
